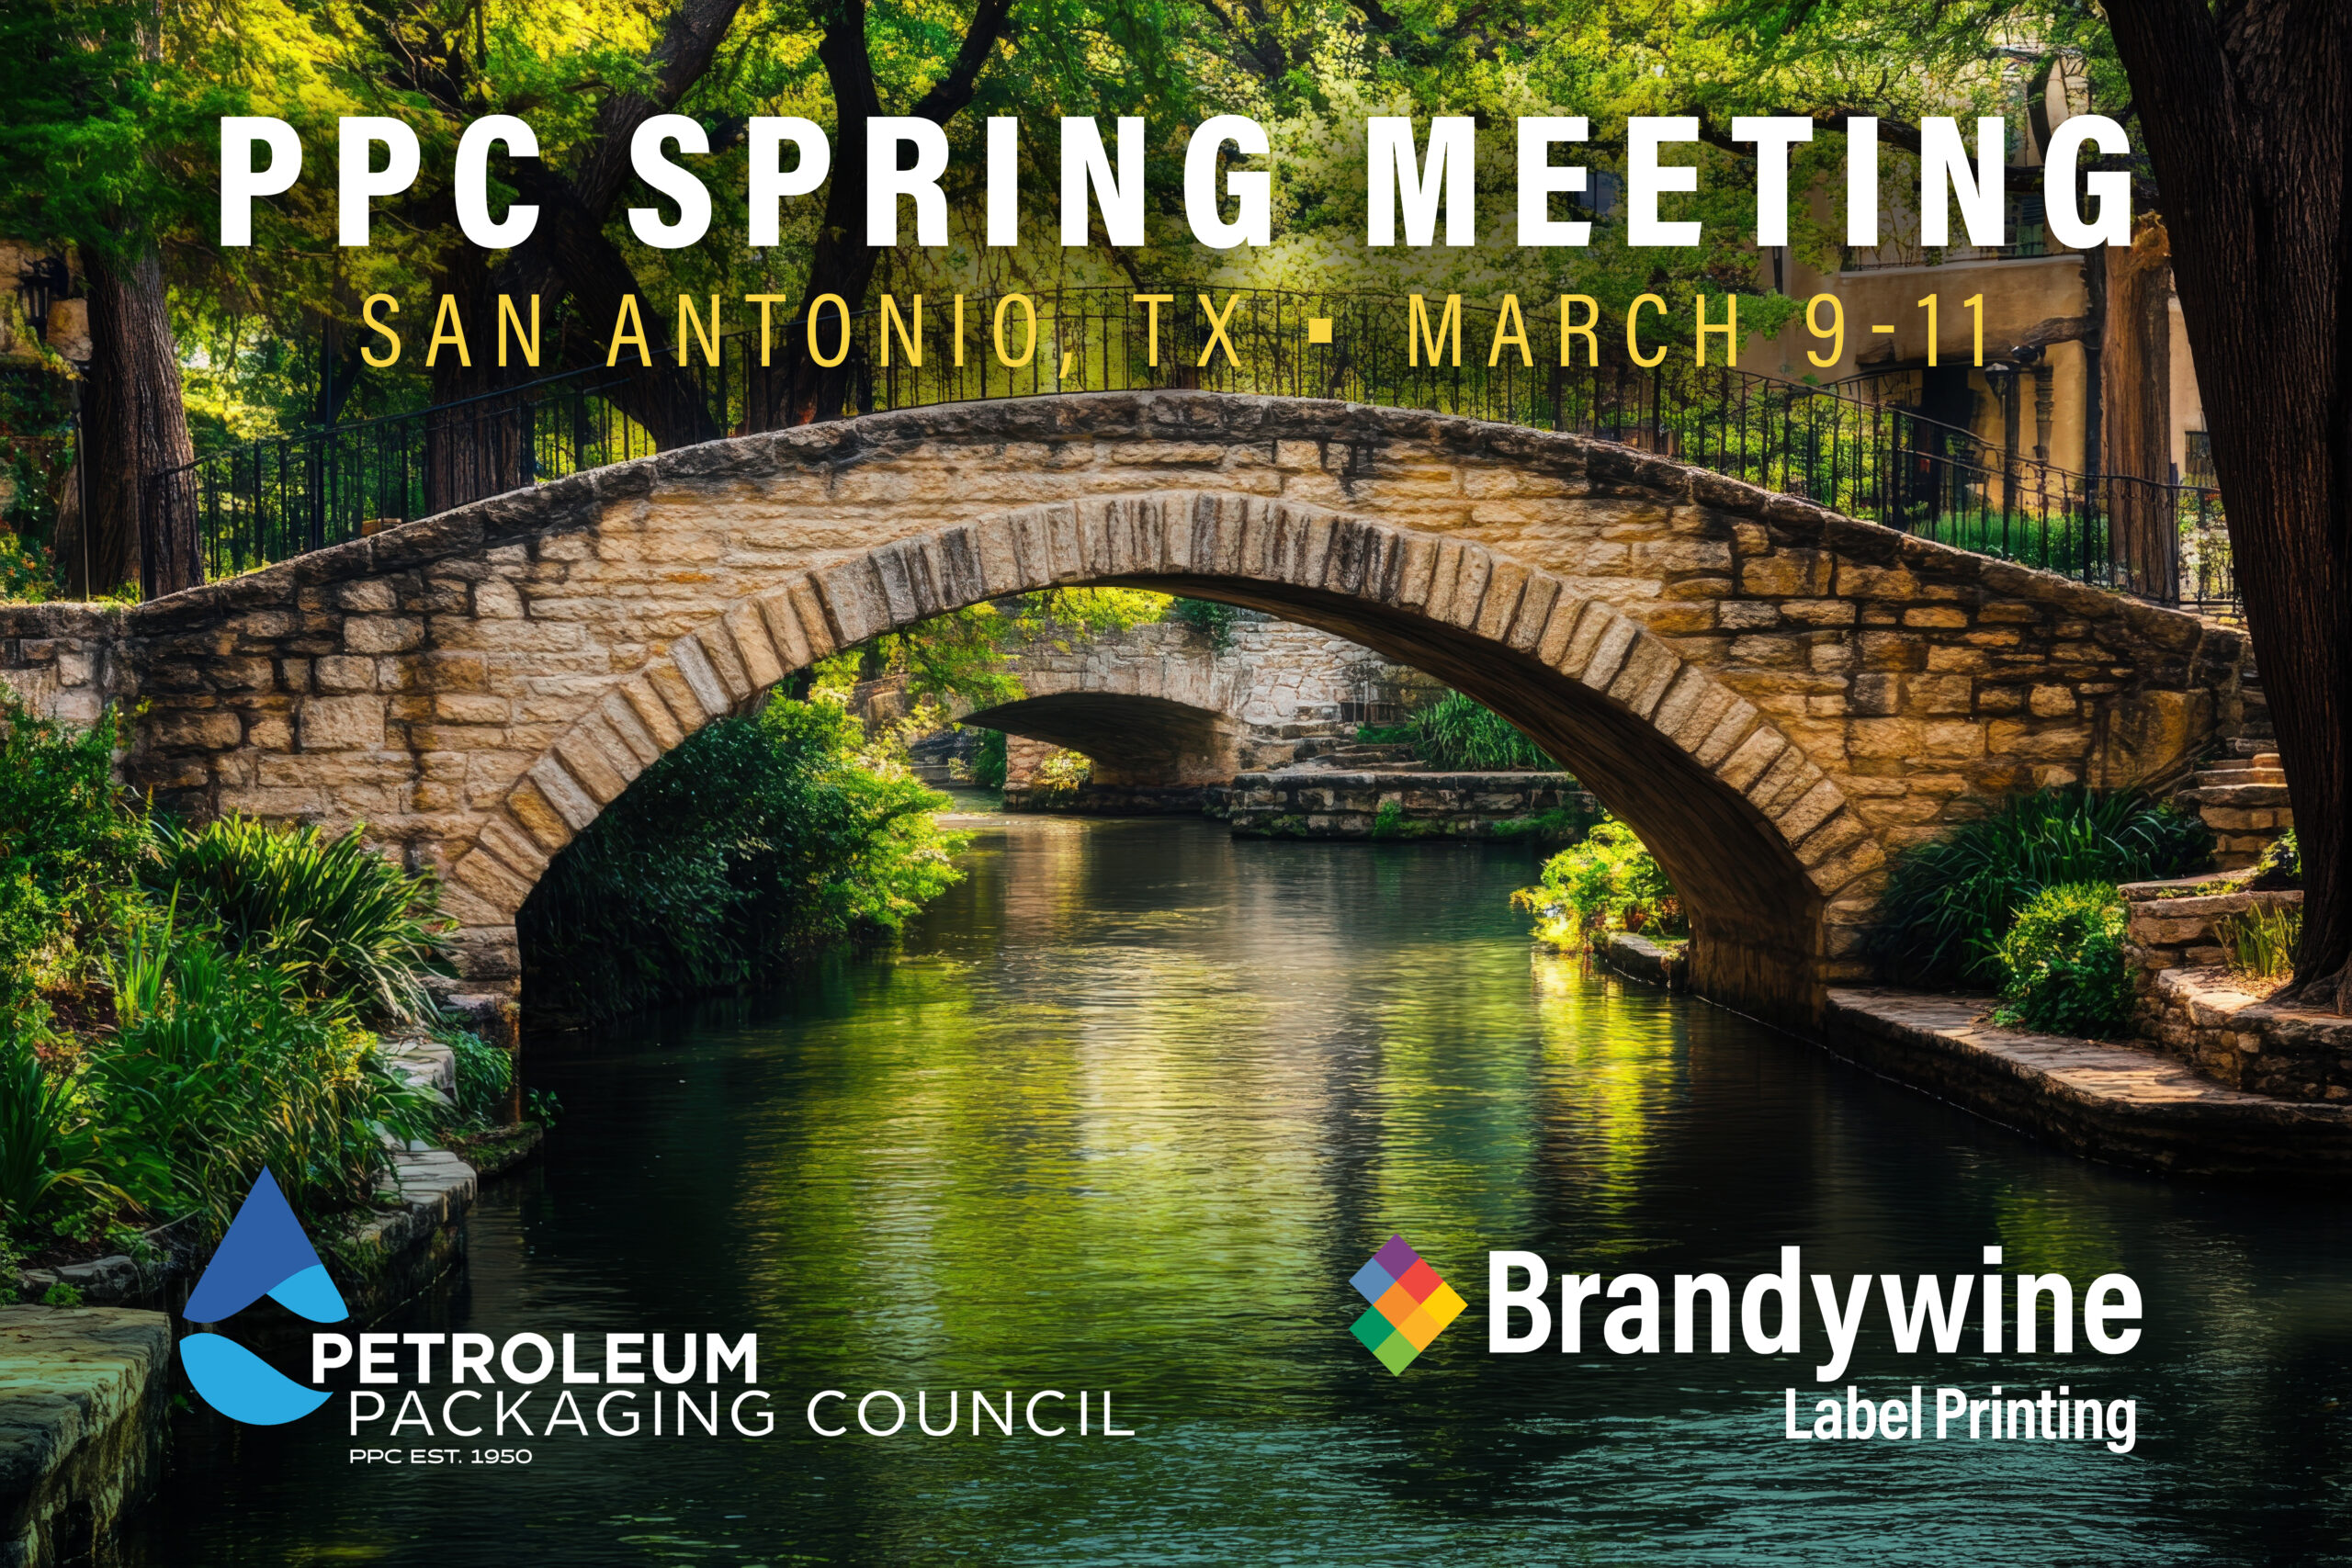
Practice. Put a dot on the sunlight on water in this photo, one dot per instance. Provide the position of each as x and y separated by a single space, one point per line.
1127 1111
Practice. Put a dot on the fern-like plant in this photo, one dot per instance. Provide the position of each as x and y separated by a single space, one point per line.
1951 900
340 920
1462 735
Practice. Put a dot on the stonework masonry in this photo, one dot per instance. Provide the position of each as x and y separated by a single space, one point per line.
1773 695
2193 1007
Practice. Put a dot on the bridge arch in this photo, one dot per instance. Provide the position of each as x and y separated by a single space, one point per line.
1756 836
1775 695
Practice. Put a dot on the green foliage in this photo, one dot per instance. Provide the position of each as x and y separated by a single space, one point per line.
2282 861
1063 772
219 1067
2063 965
1609 882
1211 619
991 763
1560 825
1941 920
756 841
60 1295
67 845
1457 734
1386 734
485 1075
336 917
2261 942
48 1150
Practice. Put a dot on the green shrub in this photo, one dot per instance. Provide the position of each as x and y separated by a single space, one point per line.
1386 734
990 762
1609 882
67 846
340 920
757 839
2282 861
1460 735
1951 901
1211 619
1064 773
485 1075
49 1149
2063 964
219 1067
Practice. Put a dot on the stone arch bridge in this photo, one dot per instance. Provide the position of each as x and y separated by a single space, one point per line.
1774 697
1162 710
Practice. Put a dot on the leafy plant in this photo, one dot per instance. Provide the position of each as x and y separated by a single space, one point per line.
1213 619
2282 863
485 1075
990 762
542 1106
2261 942
67 845
757 839
2064 970
1063 772
1609 882
48 1148
337 918
221 1066
1951 901
1461 735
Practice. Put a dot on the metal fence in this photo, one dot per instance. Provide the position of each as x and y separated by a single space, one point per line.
271 500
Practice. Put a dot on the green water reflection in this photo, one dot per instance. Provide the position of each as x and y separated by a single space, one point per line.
1127 1112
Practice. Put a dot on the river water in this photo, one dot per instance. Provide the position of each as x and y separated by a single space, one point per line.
1126 1111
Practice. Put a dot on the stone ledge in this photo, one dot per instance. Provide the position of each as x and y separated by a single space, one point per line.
2121 1103
2206 1018
1666 963
81 1402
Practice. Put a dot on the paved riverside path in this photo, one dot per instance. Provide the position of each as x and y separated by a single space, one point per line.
2126 1103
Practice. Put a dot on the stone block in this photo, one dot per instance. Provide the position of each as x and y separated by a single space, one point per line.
341 724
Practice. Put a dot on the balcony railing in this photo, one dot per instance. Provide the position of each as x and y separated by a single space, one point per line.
268 501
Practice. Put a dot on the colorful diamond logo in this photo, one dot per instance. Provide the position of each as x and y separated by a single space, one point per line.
1410 1304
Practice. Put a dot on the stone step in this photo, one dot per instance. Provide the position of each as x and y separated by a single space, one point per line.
1363 756
2230 778
2238 796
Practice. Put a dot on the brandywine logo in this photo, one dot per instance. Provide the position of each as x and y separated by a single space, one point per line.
1410 1304
264 1254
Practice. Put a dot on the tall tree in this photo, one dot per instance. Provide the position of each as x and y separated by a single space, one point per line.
2244 106
85 84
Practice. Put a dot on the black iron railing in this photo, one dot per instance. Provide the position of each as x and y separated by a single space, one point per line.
271 500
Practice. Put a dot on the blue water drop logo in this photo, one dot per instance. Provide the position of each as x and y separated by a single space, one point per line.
264 1254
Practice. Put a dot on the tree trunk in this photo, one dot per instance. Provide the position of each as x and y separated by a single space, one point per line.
2135 357
2245 117
801 392
134 429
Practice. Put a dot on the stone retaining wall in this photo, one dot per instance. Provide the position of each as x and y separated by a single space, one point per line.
2190 1005
62 661
1312 803
1666 964
82 1403
2176 924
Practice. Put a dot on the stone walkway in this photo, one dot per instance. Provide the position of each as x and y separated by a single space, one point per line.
2123 1103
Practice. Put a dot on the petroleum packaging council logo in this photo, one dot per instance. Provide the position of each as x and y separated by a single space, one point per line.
264 1254
1410 1304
